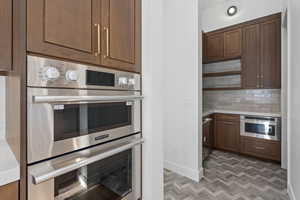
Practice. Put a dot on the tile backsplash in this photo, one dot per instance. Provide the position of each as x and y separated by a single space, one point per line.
265 100
2 107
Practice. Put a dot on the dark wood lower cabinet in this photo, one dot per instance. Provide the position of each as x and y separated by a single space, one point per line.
10 191
227 132
261 148
227 137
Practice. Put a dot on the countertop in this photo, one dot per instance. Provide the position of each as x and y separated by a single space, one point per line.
207 112
9 166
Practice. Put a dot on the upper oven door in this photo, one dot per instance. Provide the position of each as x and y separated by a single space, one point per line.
64 120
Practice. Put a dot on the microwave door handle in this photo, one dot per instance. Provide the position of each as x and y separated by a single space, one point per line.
40 178
60 99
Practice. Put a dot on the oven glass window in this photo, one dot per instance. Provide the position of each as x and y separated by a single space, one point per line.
261 129
71 121
108 179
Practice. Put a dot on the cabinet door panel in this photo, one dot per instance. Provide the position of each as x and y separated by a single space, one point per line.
233 44
6 35
69 23
10 191
250 58
270 34
64 28
121 30
214 45
227 135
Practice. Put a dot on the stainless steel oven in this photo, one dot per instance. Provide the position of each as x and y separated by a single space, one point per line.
261 127
110 171
73 106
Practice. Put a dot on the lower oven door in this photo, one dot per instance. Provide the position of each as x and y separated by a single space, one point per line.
108 172
65 120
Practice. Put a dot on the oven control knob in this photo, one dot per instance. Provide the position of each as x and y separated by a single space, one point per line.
131 81
123 81
71 75
52 73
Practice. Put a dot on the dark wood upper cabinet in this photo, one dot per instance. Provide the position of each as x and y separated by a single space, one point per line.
227 132
262 55
100 32
233 44
65 29
121 41
250 58
214 47
270 59
6 35
222 46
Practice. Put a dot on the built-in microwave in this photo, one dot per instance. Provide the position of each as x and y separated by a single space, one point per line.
261 127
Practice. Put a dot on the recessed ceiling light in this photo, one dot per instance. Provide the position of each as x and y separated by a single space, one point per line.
232 10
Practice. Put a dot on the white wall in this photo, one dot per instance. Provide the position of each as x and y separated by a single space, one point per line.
215 17
294 100
2 107
152 50
182 91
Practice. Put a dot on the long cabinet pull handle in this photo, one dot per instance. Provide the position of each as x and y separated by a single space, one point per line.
60 99
97 53
40 177
106 29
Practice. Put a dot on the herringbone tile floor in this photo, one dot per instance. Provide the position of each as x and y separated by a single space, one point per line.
229 176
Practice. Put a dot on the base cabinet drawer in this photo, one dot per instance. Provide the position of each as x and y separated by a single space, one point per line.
261 148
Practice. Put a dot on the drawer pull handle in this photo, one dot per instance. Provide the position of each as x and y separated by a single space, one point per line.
259 148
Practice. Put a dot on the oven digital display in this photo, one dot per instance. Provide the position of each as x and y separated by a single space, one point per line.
100 78
262 129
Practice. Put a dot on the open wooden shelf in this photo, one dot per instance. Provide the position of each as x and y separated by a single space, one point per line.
225 88
229 73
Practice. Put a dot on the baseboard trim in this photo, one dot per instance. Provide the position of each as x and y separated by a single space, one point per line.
291 192
195 175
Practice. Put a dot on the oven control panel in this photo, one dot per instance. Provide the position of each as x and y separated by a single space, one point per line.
45 72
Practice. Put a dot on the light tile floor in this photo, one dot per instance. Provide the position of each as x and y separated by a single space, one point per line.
230 176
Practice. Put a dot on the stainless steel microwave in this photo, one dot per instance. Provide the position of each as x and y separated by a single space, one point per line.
268 128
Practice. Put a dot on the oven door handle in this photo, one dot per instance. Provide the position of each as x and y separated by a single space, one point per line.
38 178
60 99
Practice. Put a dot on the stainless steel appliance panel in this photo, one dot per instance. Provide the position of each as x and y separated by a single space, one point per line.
42 105
42 177
45 72
268 128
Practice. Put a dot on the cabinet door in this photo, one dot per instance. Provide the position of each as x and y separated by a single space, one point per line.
227 135
6 35
261 148
66 29
250 58
10 191
121 20
270 61
214 47
233 44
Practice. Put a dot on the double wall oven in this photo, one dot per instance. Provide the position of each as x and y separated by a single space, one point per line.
84 132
